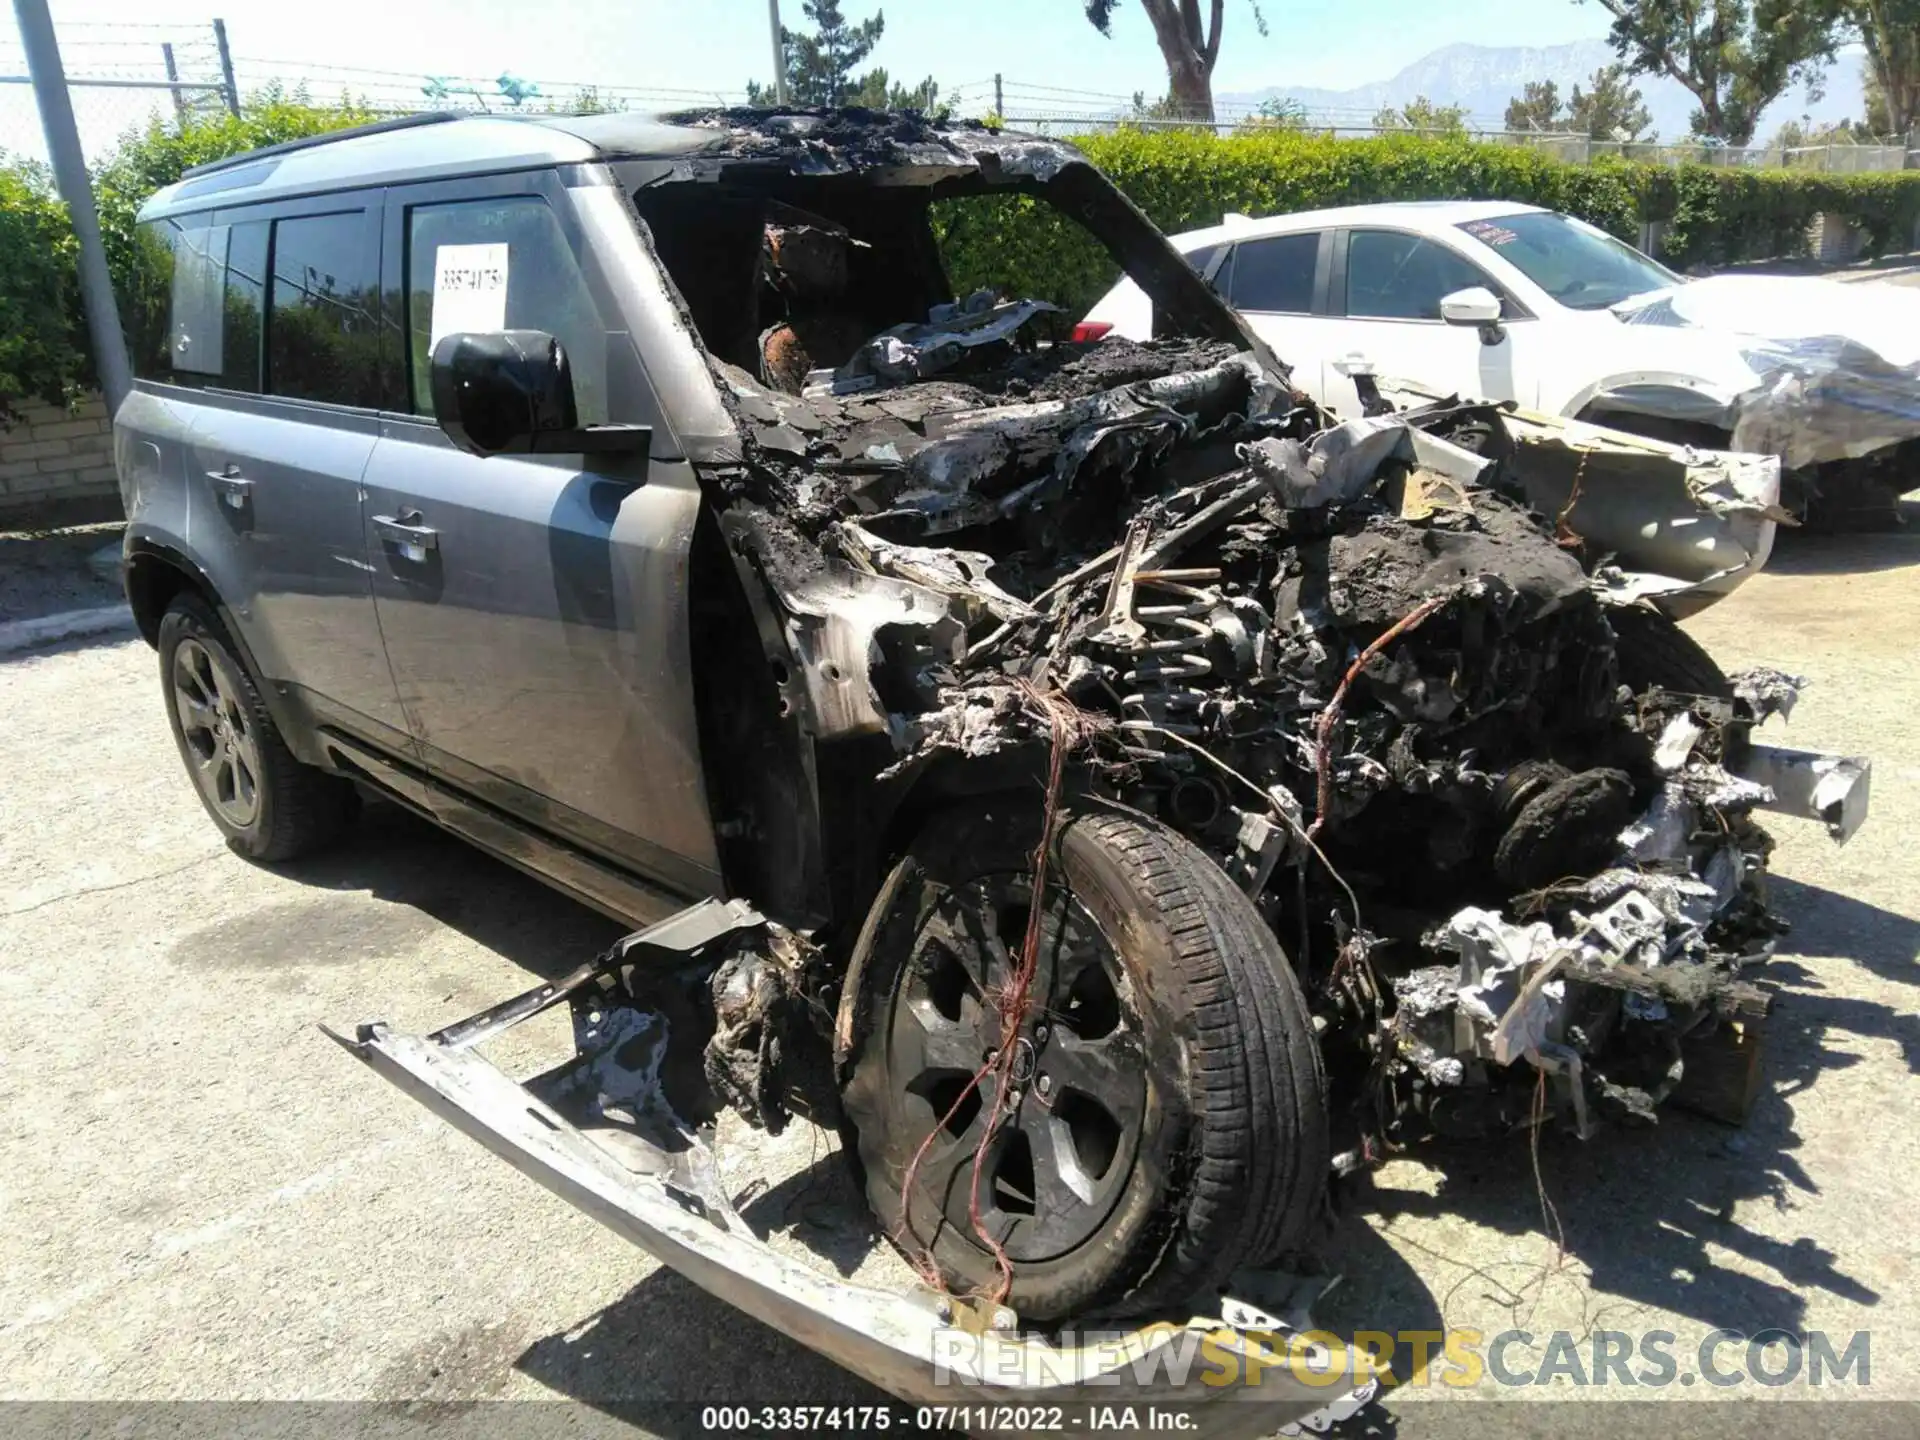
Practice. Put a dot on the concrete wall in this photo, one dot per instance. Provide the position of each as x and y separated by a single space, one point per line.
53 455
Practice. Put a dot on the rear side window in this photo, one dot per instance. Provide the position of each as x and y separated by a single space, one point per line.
500 264
242 300
1199 260
191 305
1391 276
1274 274
323 302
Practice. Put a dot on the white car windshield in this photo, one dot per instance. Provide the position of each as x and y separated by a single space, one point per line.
1582 268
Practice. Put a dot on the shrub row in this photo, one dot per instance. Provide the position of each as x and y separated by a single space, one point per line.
1713 215
44 350
1183 180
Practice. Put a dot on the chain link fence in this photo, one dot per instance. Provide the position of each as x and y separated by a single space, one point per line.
120 77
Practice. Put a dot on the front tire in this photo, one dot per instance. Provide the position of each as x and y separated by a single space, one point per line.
1652 650
270 807
1166 1120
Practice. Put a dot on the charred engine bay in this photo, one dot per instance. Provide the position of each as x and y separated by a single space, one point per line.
1348 662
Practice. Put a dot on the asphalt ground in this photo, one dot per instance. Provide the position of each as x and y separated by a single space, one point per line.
201 1198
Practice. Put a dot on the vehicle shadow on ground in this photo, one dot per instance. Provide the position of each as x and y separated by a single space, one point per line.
45 573
666 1348
1798 553
402 859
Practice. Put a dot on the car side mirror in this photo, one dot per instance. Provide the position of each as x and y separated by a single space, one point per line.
1475 305
510 392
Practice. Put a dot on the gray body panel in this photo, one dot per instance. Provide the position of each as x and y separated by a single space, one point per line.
282 550
277 486
541 646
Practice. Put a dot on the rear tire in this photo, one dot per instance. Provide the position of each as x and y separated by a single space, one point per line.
269 806
1167 1123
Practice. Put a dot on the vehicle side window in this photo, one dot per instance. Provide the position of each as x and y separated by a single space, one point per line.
243 302
1274 274
191 302
1391 276
500 264
323 310
1199 260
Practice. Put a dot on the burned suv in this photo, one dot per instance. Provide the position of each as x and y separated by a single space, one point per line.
1139 794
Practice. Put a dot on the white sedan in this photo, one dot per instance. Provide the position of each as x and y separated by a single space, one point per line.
1512 302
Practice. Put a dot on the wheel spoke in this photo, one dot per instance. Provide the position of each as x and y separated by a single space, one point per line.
940 1186
246 784
195 713
930 1041
1057 1172
980 922
1096 1068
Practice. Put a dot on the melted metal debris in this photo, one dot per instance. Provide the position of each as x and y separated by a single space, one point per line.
1550 869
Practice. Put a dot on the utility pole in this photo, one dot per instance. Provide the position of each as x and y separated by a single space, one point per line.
999 100
173 76
70 174
779 53
226 69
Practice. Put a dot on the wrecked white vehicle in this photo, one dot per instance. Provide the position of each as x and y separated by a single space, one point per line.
1139 794
1516 303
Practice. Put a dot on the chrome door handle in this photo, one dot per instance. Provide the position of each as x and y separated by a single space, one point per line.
233 488
414 540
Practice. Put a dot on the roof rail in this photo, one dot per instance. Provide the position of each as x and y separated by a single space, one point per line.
378 127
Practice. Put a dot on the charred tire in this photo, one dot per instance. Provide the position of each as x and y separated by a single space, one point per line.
1652 650
268 805
1152 964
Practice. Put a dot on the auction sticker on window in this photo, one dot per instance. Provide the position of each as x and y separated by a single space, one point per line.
469 289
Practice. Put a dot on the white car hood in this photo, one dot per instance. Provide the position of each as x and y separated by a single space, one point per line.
1883 318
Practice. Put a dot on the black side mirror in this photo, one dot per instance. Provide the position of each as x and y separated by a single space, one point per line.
510 392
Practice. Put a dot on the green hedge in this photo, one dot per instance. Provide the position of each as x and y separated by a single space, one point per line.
1186 180
44 349
40 315
1182 179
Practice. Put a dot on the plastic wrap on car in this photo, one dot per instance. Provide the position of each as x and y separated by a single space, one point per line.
1836 367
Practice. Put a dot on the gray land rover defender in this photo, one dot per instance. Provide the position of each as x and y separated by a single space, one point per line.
1108 789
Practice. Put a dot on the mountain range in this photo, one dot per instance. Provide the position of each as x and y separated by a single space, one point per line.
1483 78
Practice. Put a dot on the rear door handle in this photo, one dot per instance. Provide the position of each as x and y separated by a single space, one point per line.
231 486
406 532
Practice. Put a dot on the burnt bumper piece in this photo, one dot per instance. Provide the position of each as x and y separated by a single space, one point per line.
601 1132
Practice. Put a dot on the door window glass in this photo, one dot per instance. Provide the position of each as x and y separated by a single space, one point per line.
244 295
191 302
501 264
323 330
1274 274
1391 276
194 334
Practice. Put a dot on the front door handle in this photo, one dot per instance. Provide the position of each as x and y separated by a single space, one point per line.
231 486
406 532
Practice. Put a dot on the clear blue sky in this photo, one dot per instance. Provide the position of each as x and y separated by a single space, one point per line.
719 44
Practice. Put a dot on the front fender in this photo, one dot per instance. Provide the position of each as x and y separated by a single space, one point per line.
1669 394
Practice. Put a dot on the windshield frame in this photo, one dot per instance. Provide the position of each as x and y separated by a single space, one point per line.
1532 226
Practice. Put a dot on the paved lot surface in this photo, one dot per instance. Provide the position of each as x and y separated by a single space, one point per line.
200 1197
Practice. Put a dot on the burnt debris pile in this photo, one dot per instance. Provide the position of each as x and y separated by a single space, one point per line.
1348 662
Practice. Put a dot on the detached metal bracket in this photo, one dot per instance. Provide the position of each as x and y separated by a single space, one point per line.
1833 789
679 934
